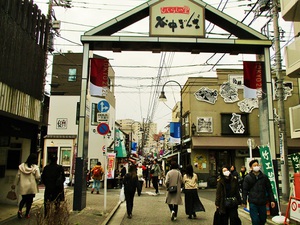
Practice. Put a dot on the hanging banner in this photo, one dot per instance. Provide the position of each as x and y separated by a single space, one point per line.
120 144
253 73
266 162
175 132
296 162
111 158
98 76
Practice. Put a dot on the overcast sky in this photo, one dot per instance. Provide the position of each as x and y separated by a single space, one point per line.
136 72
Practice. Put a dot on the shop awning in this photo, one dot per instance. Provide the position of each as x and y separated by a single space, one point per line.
222 142
232 142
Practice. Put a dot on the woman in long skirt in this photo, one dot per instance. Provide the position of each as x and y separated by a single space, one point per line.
192 201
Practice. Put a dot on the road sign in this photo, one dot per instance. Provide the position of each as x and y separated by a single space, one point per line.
103 128
295 209
103 106
102 117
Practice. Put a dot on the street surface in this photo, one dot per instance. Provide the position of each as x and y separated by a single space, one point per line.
152 210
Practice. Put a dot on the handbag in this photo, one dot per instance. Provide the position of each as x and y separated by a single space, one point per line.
11 195
122 195
217 218
173 189
231 202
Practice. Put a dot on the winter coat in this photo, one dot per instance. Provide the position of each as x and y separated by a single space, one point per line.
130 183
99 177
221 192
190 183
27 179
172 177
258 189
53 177
157 170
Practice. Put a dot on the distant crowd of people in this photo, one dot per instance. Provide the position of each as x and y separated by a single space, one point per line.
233 188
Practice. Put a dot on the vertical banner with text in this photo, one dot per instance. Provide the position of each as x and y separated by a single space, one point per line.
98 76
266 162
253 73
111 157
295 161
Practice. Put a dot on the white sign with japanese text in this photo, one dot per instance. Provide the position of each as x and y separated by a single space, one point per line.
177 18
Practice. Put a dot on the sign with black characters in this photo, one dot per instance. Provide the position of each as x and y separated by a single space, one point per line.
177 18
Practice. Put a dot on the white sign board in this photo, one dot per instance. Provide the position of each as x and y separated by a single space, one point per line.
102 117
295 210
177 18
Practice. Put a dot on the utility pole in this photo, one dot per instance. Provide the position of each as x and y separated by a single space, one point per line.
280 105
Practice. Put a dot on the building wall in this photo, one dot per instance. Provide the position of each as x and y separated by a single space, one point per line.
207 160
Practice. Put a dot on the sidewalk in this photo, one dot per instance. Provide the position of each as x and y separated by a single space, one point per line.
92 214
147 208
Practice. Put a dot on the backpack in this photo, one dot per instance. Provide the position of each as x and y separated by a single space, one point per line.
96 172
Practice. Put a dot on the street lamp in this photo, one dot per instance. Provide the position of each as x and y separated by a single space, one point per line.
163 98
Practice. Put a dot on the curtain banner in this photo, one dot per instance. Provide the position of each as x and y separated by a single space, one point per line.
98 76
253 73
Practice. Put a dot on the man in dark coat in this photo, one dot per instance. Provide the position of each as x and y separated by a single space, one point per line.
53 178
258 190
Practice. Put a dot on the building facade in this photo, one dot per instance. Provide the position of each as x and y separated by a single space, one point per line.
290 12
61 139
23 51
218 123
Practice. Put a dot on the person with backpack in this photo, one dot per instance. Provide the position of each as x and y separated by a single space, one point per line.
97 173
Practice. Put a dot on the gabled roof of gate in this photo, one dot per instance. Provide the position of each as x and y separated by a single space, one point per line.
246 40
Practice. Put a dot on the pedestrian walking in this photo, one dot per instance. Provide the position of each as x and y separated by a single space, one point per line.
26 181
122 174
97 172
257 190
156 172
243 173
53 177
233 172
228 197
140 170
147 176
130 183
191 201
173 181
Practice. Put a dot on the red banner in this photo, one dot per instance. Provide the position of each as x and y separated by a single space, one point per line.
253 72
98 75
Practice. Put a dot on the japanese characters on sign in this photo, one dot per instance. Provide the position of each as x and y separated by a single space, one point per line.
266 162
177 18
296 162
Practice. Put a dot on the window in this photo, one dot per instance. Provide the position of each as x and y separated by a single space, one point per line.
72 75
235 124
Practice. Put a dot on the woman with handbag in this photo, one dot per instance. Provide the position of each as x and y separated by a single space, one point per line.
228 198
27 181
191 200
173 184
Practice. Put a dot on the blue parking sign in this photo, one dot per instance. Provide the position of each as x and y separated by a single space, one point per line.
103 106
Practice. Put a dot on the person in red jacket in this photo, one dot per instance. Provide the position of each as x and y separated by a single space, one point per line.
97 172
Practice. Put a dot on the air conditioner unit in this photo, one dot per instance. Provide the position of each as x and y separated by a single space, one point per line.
294 113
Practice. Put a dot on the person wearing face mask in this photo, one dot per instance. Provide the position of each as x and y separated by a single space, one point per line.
257 190
228 192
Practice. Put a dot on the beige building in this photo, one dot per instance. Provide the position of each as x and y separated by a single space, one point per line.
290 12
218 121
